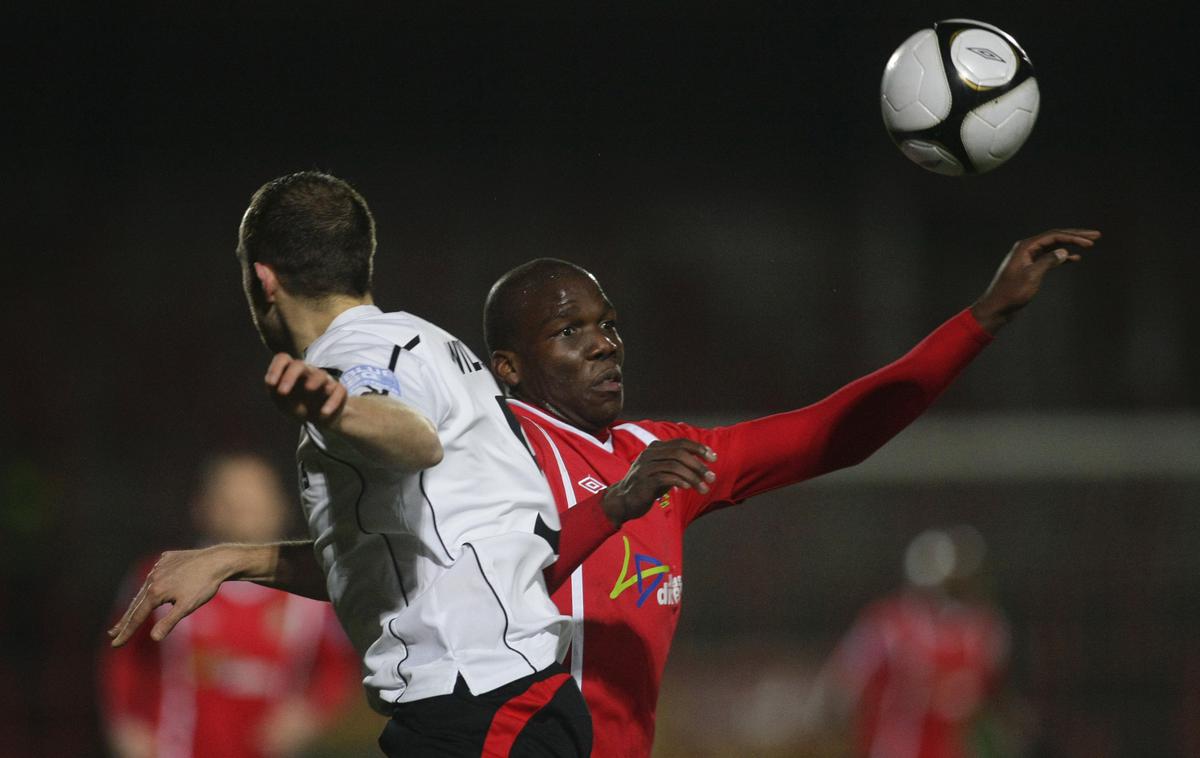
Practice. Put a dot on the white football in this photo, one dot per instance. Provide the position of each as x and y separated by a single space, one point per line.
959 98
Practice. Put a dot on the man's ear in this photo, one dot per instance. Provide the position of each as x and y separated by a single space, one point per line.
269 281
504 367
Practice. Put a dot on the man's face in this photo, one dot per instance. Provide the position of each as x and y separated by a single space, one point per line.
242 502
569 354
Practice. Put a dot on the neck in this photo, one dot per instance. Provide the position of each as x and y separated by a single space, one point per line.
600 433
308 319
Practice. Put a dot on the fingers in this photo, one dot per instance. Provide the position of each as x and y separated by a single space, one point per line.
1044 256
299 388
1038 244
285 372
275 370
126 626
672 474
661 466
293 375
168 622
681 462
337 398
139 610
698 449
1092 234
314 379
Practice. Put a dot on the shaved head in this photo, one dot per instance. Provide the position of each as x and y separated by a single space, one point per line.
552 340
513 294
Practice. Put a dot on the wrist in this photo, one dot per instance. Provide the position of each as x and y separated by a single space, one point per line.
232 561
991 318
613 506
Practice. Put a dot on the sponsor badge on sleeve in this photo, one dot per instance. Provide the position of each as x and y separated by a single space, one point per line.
370 380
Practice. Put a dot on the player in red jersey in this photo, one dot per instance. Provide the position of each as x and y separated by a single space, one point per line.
255 673
554 344
919 667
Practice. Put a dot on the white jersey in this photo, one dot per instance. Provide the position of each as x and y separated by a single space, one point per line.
439 572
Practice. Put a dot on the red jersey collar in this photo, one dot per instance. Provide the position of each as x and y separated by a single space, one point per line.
549 418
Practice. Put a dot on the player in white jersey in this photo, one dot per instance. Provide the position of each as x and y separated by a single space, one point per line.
429 520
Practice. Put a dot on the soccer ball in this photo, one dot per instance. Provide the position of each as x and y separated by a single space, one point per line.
959 98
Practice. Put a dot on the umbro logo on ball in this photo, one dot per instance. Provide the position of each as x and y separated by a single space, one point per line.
983 52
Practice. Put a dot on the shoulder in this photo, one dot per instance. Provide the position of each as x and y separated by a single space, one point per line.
397 341
648 430
379 331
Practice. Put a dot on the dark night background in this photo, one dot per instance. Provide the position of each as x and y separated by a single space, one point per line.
723 170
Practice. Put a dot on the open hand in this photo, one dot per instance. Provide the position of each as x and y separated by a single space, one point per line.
303 391
1020 275
185 578
661 466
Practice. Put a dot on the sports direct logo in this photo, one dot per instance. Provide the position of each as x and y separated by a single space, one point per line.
650 574
671 591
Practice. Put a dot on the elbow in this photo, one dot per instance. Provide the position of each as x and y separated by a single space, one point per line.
428 452
433 453
418 448
415 458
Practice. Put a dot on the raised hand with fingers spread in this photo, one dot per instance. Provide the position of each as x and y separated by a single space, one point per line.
1022 271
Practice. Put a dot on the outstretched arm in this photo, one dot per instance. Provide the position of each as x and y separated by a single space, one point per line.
854 422
187 579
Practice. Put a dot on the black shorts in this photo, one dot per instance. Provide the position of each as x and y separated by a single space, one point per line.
540 715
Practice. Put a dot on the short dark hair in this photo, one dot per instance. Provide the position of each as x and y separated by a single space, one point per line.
511 291
315 230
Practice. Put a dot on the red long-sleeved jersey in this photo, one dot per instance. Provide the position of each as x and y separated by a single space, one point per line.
209 688
625 597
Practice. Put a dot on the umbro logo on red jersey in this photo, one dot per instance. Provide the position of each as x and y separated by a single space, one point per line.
591 484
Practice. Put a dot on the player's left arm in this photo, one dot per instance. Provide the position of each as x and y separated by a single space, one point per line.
662 466
848 426
187 579
381 429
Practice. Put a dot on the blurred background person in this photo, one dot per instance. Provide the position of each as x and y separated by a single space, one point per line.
256 673
920 669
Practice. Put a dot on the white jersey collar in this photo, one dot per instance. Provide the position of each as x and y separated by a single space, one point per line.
353 314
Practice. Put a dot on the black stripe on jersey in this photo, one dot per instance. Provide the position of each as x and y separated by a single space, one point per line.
336 373
397 348
543 530
504 612
362 490
402 660
514 424
433 514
